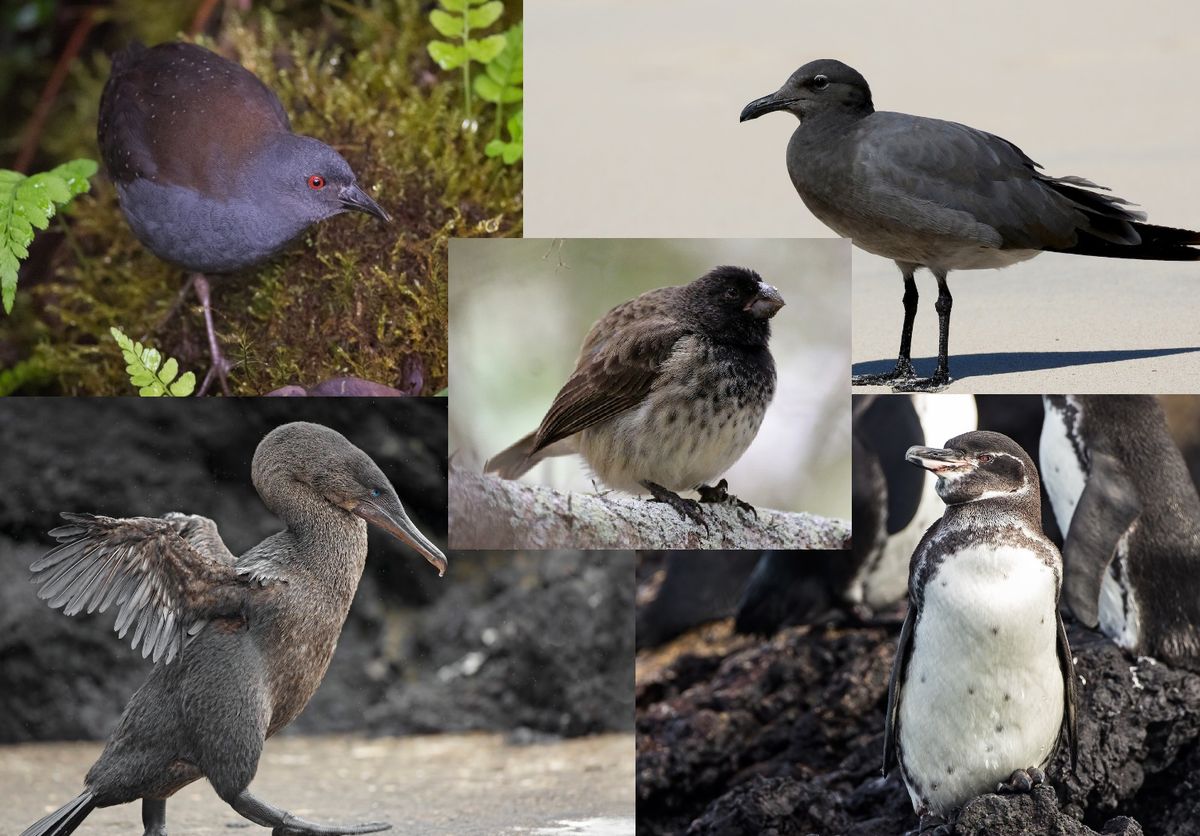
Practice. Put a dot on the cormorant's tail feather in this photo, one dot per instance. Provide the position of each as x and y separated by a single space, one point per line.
1158 243
65 819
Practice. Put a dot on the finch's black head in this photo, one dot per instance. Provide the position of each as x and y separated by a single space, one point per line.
979 465
819 86
733 304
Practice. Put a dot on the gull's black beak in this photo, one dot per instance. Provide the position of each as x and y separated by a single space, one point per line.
935 460
387 513
767 104
352 197
766 303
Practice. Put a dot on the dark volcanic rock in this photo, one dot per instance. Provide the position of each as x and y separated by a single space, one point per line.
545 645
737 736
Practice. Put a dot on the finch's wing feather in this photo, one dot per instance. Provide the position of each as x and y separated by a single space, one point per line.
619 363
166 575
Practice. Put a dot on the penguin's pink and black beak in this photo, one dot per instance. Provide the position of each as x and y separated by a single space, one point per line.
387 513
937 460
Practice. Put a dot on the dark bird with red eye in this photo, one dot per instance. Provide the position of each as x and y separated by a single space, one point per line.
207 169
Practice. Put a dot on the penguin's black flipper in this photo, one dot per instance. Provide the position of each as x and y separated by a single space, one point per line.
1067 663
1107 507
903 652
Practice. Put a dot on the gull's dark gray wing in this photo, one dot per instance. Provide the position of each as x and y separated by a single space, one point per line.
949 179
166 576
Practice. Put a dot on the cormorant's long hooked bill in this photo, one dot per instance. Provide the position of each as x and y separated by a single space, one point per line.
396 523
935 459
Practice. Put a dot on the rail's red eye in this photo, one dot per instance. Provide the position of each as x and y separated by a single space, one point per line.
316 182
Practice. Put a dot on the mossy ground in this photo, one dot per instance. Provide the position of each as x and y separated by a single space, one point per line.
353 296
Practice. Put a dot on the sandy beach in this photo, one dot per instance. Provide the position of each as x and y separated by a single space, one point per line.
446 785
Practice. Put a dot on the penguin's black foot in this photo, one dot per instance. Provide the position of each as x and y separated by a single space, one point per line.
940 380
1022 780
688 508
904 371
720 494
293 826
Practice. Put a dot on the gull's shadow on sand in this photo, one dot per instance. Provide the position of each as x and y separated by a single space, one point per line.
1006 362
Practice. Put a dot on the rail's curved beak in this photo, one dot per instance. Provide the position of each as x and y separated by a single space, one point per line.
387 513
352 197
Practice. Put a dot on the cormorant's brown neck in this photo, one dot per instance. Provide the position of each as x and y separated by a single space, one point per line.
324 539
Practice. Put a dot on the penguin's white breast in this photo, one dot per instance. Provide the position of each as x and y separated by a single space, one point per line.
983 692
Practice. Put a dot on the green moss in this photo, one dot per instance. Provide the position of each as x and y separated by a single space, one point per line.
354 296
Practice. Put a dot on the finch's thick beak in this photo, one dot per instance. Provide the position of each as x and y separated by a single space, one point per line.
389 515
766 303
767 104
936 460
352 197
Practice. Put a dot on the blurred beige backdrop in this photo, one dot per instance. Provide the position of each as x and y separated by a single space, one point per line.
519 310
631 129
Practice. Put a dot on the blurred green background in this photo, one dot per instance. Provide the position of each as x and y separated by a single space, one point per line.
519 310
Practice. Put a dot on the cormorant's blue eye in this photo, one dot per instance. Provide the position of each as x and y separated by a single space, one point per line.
374 491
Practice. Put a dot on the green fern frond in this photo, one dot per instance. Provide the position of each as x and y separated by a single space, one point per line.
143 367
29 202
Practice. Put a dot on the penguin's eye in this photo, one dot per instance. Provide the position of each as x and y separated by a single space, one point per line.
316 182
986 458
820 82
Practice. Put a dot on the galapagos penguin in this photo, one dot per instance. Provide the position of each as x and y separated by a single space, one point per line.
982 689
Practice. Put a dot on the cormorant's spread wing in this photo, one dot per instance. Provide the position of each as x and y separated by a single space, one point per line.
1107 507
166 575
903 651
1069 696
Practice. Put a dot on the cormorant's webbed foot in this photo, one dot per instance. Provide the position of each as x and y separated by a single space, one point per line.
720 494
904 371
689 508
940 380
154 816
1022 780
283 823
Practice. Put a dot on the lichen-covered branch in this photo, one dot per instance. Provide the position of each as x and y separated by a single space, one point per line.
487 512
